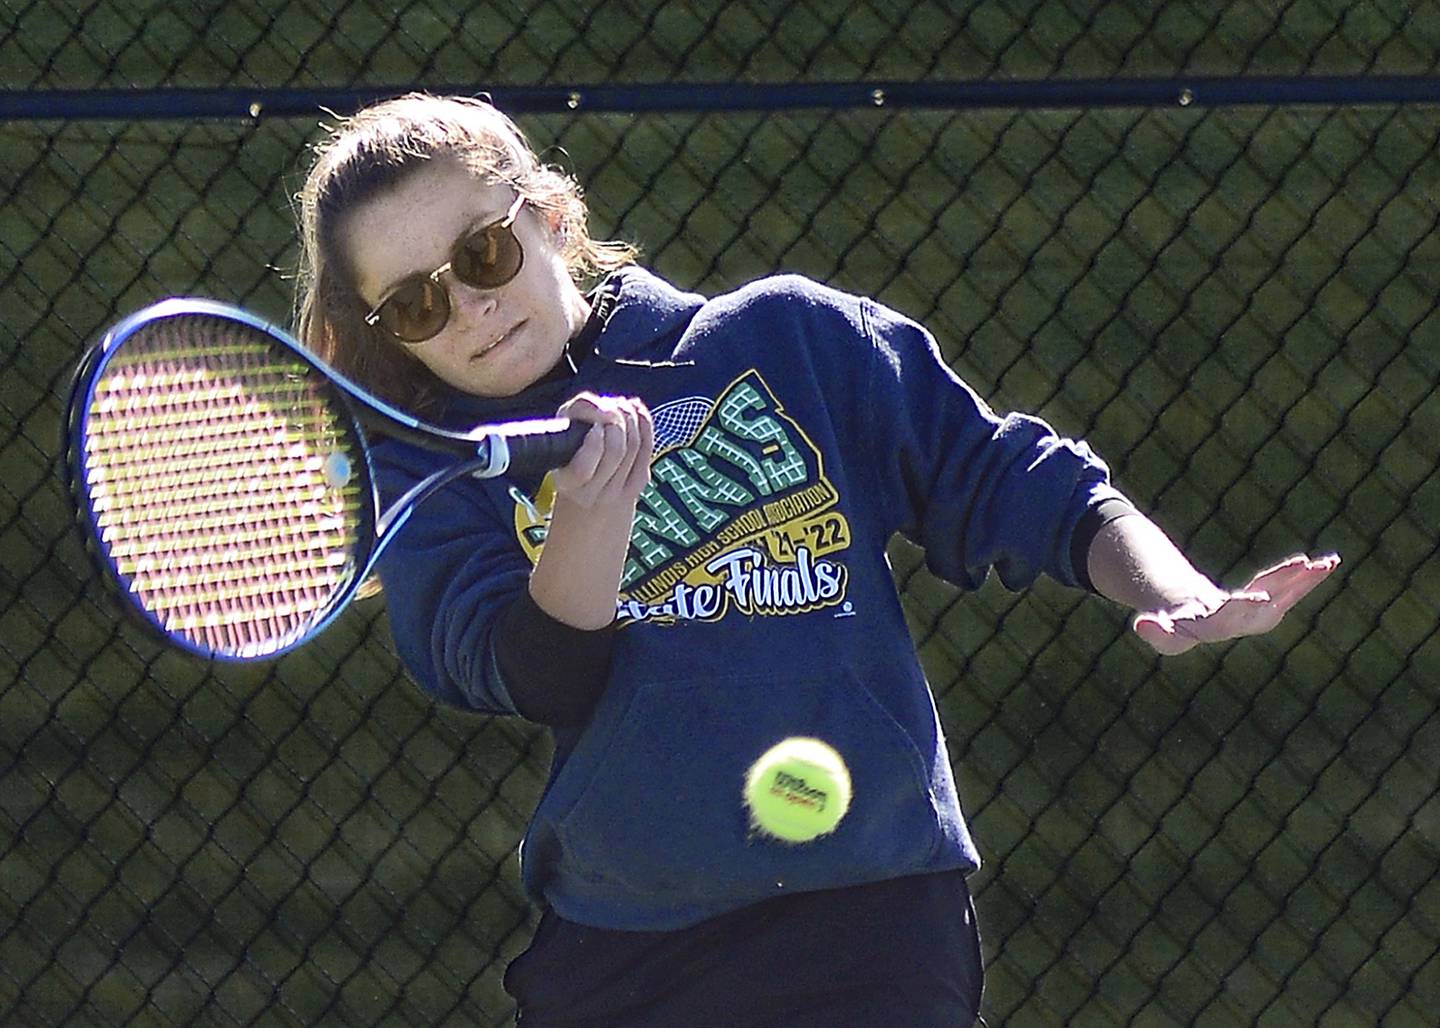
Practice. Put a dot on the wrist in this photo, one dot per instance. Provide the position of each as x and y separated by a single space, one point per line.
1204 597
604 516
1132 562
577 578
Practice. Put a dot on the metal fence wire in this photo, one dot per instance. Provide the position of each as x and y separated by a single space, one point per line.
1235 304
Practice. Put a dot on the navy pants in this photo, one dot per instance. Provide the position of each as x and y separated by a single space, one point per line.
903 953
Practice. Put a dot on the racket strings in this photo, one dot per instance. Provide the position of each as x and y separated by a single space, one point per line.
219 476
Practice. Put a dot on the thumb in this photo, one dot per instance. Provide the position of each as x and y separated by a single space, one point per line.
1161 633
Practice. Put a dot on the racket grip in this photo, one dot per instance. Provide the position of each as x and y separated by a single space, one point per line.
533 447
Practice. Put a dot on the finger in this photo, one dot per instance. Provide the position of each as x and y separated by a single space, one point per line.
588 407
1291 593
1298 565
1293 580
582 466
639 475
612 459
1162 634
581 407
631 415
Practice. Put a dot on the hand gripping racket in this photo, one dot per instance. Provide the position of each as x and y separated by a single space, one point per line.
225 477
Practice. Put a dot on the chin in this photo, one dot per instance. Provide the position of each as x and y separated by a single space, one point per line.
507 385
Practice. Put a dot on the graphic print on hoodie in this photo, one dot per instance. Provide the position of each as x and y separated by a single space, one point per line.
738 516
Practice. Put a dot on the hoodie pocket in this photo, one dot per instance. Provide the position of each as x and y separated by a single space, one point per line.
662 815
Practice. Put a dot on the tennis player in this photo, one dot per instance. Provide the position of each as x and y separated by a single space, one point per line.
706 577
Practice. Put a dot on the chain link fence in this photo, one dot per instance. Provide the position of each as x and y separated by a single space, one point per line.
1236 305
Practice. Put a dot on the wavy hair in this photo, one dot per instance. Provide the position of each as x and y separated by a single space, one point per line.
372 152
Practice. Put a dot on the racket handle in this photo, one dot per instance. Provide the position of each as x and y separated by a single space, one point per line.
532 447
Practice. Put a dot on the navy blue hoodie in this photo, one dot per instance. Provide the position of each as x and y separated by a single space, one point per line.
798 429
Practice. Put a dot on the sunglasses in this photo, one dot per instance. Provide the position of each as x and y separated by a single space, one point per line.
419 307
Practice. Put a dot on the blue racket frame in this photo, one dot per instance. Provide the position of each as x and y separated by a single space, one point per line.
484 452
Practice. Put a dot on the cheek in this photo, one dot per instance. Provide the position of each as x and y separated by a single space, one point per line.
437 368
557 294
439 354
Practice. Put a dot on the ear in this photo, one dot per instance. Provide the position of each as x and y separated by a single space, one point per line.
557 227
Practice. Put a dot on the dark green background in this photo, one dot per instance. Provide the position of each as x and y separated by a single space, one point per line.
1237 307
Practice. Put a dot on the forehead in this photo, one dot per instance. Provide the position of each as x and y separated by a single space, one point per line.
411 227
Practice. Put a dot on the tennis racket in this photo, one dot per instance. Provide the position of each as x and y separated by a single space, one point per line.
225 479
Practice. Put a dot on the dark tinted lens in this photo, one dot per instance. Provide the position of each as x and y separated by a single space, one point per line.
489 258
416 311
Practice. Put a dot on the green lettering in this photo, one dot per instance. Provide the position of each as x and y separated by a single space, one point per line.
789 469
697 493
713 443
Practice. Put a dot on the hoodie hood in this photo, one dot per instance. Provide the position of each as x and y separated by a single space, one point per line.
636 319
641 317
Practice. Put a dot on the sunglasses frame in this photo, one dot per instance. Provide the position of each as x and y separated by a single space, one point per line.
507 223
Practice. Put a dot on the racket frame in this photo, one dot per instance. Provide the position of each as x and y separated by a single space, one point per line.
484 452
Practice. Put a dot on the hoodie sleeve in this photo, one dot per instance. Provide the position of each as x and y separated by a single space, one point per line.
448 576
461 614
977 490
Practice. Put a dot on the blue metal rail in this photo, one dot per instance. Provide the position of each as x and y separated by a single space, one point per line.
253 104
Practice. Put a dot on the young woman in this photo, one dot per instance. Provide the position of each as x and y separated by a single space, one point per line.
705 577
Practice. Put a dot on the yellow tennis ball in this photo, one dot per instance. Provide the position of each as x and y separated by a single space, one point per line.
798 790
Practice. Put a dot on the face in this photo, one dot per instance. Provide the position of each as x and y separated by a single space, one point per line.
497 341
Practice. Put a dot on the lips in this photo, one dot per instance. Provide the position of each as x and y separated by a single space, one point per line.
505 336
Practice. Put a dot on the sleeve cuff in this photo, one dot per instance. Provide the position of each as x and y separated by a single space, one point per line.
1112 508
553 672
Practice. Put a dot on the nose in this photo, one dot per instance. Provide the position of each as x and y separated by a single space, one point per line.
473 302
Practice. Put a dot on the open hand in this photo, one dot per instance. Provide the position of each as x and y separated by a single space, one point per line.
1253 610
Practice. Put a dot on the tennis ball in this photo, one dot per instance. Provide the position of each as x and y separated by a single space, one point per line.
798 790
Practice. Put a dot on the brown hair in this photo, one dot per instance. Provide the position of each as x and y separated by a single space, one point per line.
372 152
